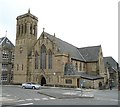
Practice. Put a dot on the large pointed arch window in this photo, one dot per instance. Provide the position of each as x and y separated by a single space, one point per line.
43 57
49 59
36 60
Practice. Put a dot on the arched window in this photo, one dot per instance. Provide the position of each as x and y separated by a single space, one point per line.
18 29
36 60
80 66
22 66
34 29
43 57
17 67
22 28
31 29
76 66
25 28
84 66
49 59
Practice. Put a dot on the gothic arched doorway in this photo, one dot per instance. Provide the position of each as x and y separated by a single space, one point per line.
43 81
78 83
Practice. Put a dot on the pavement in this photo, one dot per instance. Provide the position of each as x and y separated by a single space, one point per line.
65 93
7 98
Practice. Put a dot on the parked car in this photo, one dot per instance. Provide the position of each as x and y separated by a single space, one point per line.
30 85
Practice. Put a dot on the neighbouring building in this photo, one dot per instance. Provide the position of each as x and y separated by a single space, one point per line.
119 79
112 69
6 60
49 60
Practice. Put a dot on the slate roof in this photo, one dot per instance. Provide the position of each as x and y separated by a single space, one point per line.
66 47
109 61
70 70
1 40
4 41
90 53
84 75
86 54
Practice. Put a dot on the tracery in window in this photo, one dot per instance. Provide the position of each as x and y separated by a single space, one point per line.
43 57
49 59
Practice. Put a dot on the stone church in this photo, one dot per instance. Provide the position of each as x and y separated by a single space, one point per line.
51 61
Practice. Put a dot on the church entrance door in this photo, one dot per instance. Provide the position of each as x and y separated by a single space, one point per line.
43 81
78 83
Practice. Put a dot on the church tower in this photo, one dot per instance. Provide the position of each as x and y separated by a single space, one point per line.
26 36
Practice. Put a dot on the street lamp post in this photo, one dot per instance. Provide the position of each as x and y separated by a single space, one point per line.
54 78
81 84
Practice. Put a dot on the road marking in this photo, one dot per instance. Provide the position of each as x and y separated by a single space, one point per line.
28 99
69 93
8 95
36 99
44 98
20 100
26 104
5 99
52 98
106 99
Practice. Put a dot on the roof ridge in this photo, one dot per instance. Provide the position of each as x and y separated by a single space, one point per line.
61 40
110 57
90 47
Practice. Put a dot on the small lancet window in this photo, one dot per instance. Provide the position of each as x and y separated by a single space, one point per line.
49 59
31 29
22 66
25 28
18 29
36 60
22 28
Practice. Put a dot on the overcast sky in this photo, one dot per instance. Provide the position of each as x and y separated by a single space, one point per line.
81 23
